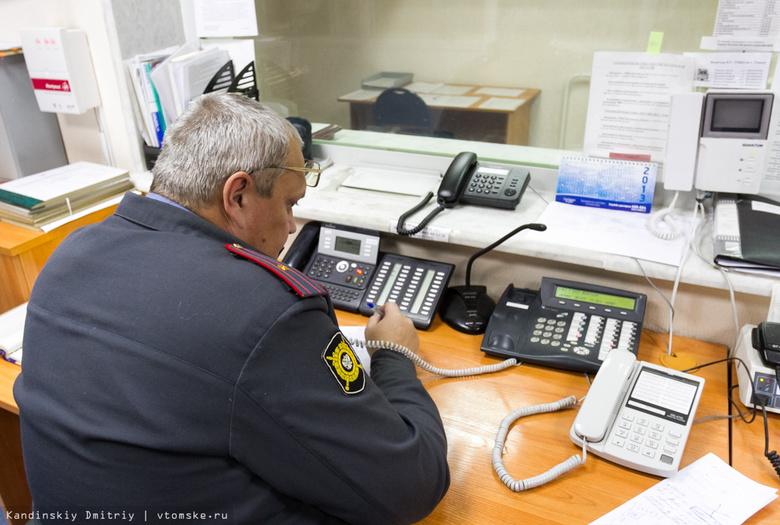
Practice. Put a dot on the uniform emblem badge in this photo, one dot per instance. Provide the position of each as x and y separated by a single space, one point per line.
344 365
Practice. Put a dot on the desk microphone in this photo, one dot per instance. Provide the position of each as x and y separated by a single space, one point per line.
468 308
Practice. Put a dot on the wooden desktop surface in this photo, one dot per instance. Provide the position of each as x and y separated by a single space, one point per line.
472 409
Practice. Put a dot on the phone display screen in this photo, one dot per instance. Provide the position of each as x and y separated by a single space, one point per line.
347 245
603 299
663 395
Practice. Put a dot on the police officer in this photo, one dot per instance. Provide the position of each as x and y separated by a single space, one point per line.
175 369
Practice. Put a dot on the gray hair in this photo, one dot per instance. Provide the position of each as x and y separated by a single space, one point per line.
218 135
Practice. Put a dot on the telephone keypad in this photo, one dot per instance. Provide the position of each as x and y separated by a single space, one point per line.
585 332
347 272
648 438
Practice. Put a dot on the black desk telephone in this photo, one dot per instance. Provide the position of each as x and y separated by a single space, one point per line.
467 181
566 324
346 262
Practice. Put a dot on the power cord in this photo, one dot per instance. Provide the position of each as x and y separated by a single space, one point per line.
773 457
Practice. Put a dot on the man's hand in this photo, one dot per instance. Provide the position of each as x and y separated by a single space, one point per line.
393 327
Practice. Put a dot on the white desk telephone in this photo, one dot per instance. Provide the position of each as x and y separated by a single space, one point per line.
638 414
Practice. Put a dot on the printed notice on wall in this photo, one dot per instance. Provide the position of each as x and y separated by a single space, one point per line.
770 183
732 70
225 18
741 25
629 103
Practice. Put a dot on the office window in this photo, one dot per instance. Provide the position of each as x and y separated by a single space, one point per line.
313 52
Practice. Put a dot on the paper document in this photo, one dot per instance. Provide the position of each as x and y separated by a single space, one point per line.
706 492
11 332
745 26
452 90
611 231
356 335
501 103
361 94
732 70
423 87
630 100
448 101
225 18
499 92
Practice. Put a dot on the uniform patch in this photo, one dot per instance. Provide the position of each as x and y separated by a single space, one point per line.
344 365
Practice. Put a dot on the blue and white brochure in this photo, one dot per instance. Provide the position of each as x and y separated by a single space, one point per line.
607 183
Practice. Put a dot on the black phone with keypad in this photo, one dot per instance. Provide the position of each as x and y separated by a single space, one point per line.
348 264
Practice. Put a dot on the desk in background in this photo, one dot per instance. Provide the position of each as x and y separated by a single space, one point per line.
23 252
477 121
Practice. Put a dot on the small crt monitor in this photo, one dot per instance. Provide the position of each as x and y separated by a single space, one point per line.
733 142
737 115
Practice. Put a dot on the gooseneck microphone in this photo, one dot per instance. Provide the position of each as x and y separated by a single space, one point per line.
468 308
531 226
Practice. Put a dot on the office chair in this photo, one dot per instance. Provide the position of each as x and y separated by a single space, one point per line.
399 110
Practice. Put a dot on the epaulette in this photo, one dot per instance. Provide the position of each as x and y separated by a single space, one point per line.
298 281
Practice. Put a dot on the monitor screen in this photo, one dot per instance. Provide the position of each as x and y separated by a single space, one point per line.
737 115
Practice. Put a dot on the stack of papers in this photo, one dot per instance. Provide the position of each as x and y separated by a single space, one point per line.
11 332
148 107
37 200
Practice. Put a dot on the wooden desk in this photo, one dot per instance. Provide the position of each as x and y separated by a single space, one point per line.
505 126
472 408
23 253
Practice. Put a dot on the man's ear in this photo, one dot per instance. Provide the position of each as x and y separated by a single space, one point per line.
234 196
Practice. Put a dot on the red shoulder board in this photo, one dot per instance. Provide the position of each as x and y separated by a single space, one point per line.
299 282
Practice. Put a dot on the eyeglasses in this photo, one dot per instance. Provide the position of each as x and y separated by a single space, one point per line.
310 168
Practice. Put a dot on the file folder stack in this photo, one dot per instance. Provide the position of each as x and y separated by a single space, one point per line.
39 199
745 234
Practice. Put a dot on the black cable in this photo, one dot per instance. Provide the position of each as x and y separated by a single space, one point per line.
773 457
399 227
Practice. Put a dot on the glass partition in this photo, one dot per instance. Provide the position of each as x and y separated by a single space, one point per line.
312 53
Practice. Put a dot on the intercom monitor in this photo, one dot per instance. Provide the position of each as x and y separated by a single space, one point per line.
733 141
737 115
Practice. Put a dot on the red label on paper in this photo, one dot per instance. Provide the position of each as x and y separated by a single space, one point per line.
45 84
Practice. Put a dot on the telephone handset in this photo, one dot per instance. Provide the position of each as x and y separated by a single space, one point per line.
347 262
468 181
638 414
456 178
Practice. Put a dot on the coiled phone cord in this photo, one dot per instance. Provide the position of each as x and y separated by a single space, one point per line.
444 372
541 479
399 227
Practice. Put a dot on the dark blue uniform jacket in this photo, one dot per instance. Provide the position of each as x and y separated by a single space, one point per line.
164 374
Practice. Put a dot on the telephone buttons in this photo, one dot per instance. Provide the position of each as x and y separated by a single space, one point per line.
342 266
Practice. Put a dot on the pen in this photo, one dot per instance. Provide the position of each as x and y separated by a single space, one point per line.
375 309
